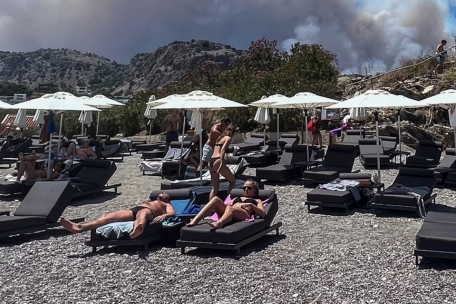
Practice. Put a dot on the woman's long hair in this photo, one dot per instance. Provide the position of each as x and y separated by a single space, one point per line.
256 186
229 131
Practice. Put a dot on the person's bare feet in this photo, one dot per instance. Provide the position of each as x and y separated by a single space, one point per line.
215 225
192 223
70 226
137 231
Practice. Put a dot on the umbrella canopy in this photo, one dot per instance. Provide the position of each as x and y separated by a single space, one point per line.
51 125
447 97
86 117
262 116
21 118
196 121
378 99
305 101
358 113
99 104
156 102
150 112
4 105
101 99
39 117
198 100
268 102
60 101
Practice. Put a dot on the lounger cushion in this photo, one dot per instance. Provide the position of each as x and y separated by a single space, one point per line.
276 172
437 237
232 233
451 176
10 187
96 172
329 196
47 200
440 217
261 158
397 199
323 173
421 161
11 223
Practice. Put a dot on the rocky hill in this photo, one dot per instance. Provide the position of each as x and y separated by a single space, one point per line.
69 68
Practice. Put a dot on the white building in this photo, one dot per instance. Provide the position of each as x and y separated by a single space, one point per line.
83 90
123 99
17 98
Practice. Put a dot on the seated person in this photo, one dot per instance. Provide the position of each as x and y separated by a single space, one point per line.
64 144
27 168
148 211
83 152
7 145
240 208
194 154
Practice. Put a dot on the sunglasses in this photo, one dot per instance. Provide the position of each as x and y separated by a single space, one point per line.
247 188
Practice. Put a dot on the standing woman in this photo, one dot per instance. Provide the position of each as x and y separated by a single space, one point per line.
217 164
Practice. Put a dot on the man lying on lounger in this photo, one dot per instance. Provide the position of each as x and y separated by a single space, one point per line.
148 211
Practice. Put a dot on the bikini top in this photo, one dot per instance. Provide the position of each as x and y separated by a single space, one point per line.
239 200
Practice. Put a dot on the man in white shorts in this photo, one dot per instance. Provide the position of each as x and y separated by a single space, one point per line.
208 148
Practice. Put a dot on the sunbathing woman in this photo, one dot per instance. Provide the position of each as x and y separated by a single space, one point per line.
217 164
240 209
83 152
27 168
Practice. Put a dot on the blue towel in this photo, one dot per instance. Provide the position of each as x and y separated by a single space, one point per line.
172 221
193 209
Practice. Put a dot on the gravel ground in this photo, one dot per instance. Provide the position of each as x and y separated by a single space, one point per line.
337 258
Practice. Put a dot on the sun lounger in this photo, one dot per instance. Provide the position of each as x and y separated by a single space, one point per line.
341 197
235 235
411 191
93 177
237 170
368 154
352 137
112 149
149 147
39 210
338 159
252 143
285 169
447 165
427 155
389 144
106 236
437 237
169 164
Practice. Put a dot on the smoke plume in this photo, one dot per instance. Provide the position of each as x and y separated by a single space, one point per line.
365 34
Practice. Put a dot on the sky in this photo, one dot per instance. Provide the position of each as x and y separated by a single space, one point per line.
366 35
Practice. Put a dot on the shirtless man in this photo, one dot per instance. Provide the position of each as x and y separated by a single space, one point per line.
27 168
171 123
148 211
440 55
208 148
83 152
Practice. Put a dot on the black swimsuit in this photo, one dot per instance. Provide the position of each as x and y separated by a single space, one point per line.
239 200
136 209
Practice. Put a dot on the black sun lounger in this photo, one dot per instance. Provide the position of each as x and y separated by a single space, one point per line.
412 178
447 165
232 236
427 155
252 143
389 144
437 236
285 169
152 232
39 210
112 149
336 199
93 177
368 154
338 159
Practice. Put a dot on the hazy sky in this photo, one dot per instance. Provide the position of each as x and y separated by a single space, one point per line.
361 32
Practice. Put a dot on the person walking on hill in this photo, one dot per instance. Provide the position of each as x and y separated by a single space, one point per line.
440 56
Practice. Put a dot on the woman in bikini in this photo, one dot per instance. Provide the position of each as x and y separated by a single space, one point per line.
83 152
240 208
217 163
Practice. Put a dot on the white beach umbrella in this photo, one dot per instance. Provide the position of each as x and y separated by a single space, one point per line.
150 114
378 99
21 119
39 117
305 101
100 102
60 101
268 102
85 118
262 116
196 121
446 99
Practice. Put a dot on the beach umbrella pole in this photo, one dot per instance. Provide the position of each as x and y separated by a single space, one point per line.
307 138
60 133
182 141
49 157
98 121
278 126
150 130
399 130
378 146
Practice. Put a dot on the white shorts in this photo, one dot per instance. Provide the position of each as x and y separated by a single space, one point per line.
207 153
